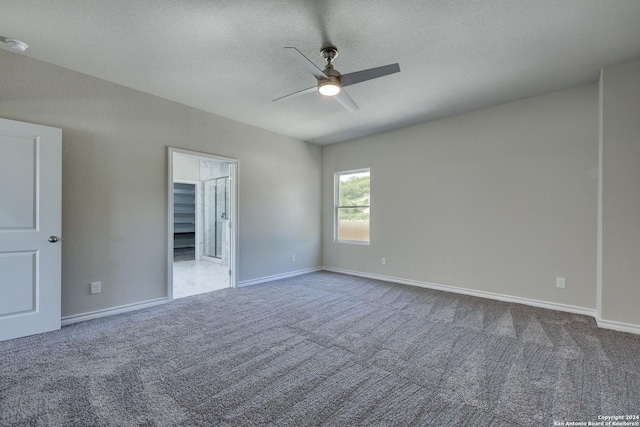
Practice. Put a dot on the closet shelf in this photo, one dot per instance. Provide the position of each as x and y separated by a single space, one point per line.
184 215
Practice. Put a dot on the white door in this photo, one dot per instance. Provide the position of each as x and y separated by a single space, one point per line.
30 225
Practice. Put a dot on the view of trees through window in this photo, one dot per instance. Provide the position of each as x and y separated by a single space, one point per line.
352 211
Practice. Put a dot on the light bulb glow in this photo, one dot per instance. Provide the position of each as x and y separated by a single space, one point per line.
329 88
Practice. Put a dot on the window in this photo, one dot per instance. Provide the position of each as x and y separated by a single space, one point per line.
352 205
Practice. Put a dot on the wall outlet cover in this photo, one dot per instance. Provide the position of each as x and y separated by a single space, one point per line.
96 287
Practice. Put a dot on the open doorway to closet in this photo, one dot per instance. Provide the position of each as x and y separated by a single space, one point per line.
202 218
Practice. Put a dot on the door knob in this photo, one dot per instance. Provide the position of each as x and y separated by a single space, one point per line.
54 239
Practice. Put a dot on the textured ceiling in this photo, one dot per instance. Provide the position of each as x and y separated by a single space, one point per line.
228 57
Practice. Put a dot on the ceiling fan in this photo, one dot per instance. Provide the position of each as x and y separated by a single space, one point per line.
331 82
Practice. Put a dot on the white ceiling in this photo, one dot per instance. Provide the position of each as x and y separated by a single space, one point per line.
228 57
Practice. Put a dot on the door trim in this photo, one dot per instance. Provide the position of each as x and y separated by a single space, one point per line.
233 202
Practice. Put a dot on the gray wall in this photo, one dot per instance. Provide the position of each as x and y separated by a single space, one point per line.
500 200
115 182
186 168
619 276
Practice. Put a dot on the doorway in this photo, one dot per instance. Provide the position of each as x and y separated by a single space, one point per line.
202 217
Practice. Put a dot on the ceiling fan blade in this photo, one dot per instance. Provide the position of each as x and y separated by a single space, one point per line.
343 98
313 69
371 73
300 92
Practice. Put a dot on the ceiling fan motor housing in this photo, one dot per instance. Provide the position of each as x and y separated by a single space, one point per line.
333 79
329 53
333 76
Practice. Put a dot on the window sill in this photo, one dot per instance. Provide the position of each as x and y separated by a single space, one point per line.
353 242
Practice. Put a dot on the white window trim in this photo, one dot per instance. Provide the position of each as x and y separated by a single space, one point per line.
336 200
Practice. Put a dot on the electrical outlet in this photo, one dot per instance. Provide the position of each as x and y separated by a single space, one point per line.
96 287
561 282
293 258
383 261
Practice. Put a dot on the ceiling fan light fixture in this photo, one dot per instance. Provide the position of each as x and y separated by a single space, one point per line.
328 88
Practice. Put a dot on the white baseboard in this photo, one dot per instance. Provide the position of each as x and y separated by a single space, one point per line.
618 326
74 318
606 324
67 320
471 292
277 277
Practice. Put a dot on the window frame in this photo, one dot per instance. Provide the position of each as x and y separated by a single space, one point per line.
337 207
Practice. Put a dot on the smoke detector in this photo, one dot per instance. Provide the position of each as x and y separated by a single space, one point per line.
15 45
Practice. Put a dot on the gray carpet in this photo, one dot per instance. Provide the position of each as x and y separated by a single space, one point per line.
322 349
